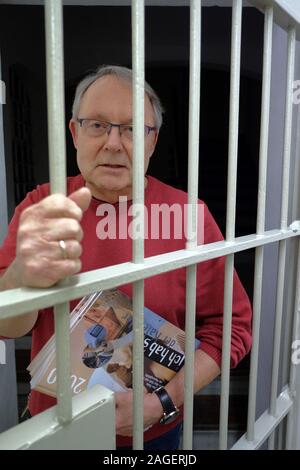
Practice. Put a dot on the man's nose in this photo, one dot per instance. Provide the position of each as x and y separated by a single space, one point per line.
113 140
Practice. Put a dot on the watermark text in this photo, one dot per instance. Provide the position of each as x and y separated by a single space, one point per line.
296 352
2 352
2 92
154 222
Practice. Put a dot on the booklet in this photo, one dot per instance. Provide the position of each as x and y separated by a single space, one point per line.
101 340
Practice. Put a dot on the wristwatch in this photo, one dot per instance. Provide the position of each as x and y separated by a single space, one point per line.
170 410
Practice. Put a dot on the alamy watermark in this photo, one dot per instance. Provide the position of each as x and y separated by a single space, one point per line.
2 92
296 92
160 221
296 352
2 352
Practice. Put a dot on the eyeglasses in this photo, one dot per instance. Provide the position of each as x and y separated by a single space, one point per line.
95 128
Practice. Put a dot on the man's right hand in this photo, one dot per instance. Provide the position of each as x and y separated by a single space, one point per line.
40 261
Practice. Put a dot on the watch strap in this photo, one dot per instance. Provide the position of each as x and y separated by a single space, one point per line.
166 401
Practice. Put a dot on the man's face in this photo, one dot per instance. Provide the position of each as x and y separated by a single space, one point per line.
105 162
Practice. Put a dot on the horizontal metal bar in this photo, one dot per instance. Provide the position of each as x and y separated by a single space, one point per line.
266 423
16 301
92 409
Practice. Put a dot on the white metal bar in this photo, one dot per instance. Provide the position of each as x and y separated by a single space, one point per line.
138 183
236 33
289 440
288 126
17 301
57 163
284 217
265 117
293 367
194 122
226 346
138 59
55 95
138 365
93 410
266 423
193 168
271 440
286 13
3 188
63 368
293 419
296 189
260 226
280 434
189 366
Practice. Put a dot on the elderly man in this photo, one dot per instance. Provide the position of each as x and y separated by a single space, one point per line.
51 237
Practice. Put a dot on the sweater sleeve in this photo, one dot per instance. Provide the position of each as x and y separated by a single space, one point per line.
210 298
8 248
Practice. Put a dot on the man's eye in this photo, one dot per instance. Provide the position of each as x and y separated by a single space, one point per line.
96 125
128 128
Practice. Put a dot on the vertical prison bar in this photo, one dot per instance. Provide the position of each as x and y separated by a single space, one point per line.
57 164
55 87
289 439
284 218
192 222
295 333
261 208
138 59
230 216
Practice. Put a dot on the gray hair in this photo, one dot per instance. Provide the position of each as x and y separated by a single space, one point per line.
122 73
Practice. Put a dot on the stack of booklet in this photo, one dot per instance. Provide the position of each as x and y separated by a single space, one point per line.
101 340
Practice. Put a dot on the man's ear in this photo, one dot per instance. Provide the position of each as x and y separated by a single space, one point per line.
154 142
74 131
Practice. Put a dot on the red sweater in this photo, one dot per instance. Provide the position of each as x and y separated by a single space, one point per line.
164 294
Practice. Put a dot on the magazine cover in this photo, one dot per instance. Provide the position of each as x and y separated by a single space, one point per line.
101 341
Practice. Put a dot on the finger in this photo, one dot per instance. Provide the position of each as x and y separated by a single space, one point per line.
82 198
72 250
56 205
61 229
48 274
63 268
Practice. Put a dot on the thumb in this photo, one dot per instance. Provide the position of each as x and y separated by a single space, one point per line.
82 197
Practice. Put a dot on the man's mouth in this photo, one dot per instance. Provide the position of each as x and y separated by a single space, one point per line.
107 165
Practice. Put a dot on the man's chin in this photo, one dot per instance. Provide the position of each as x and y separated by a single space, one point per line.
104 186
